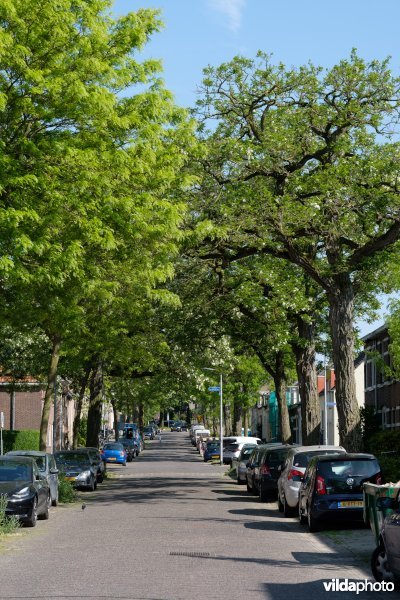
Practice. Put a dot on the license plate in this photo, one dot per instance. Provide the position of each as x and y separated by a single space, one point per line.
69 478
112 458
351 504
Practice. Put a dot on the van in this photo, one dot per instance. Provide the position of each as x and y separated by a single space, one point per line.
204 433
233 445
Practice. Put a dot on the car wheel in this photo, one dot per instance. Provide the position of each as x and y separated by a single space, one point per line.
100 478
302 518
92 485
313 523
280 504
288 511
240 481
31 522
379 565
45 515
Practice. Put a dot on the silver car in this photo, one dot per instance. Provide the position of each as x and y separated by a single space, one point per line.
292 475
47 468
239 462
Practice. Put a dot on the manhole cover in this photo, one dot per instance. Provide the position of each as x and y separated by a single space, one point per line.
191 554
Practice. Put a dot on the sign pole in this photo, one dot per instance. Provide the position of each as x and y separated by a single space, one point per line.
1 432
221 415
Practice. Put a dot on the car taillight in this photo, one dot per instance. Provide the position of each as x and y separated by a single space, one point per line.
378 479
265 470
294 473
321 487
122 453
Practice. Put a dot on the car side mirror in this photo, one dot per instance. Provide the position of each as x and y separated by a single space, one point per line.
54 471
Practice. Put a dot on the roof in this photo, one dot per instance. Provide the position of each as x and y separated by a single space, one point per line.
375 333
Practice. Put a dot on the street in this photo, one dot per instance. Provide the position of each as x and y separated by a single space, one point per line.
170 527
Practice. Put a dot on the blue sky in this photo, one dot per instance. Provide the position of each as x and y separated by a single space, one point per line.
202 32
198 33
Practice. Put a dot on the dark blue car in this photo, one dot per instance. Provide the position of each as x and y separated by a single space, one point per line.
211 450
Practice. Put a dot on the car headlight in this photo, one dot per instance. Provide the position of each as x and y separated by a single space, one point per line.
83 475
21 495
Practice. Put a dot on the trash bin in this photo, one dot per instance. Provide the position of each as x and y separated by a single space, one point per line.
375 514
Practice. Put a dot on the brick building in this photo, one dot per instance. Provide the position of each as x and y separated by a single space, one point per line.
382 391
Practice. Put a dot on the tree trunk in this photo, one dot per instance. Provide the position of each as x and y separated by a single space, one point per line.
94 414
246 421
341 318
280 391
308 388
79 404
237 415
227 419
48 397
115 413
140 416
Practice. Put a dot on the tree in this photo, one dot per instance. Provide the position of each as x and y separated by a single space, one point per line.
87 168
304 170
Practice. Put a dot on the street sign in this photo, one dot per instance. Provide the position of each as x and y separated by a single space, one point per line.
214 388
331 403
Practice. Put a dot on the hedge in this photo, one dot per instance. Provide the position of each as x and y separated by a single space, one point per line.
27 439
385 445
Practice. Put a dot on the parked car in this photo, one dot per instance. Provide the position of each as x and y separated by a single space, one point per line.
292 474
232 443
385 559
270 467
211 450
148 432
239 463
194 428
130 447
114 452
96 460
200 434
253 465
28 493
332 488
77 468
47 469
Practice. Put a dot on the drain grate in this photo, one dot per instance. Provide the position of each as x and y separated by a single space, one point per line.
191 554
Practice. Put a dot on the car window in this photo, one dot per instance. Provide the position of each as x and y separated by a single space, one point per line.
116 446
246 452
72 457
303 458
276 457
15 471
336 474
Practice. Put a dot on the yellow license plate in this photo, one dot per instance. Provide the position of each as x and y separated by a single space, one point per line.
69 478
351 504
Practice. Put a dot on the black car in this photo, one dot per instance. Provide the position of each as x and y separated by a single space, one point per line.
28 493
130 447
254 464
77 468
332 488
270 468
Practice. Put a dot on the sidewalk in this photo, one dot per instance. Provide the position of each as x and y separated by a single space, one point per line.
356 543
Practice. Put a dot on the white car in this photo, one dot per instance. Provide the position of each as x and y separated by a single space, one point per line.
292 474
233 445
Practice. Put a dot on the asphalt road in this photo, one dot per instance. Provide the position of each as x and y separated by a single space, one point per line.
170 527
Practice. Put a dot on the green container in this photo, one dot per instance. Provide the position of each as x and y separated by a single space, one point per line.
374 511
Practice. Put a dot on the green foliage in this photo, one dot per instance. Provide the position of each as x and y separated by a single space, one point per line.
66 491
7 524
27 439
82 432
385 445
370 426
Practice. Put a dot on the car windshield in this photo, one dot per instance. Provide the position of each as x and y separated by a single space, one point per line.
303 458
15 471
347 475
232 447
113 447
72 458
246 452
213 444
276 457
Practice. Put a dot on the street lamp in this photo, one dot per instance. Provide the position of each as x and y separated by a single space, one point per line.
221 431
